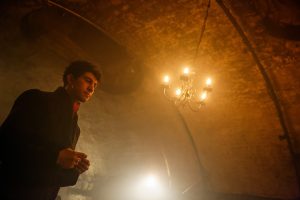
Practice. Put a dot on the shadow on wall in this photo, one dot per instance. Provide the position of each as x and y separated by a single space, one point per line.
122 73
280 18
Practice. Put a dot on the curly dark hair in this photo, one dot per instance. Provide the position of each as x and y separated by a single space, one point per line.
79 67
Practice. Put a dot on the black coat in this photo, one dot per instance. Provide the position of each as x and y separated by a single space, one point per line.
39 125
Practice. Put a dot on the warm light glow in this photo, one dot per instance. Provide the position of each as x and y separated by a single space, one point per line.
203 96
149 187
166 79
187 91
208 82
178 92
186 71
150 181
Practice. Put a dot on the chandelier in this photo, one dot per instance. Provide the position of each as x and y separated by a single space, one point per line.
187 94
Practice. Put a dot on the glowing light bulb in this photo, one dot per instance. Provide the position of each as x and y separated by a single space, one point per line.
208 82
178 92
186 71
166 80
203 96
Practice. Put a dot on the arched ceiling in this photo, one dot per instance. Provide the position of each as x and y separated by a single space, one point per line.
232 146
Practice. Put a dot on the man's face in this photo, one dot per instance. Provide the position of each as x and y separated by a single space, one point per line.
83 87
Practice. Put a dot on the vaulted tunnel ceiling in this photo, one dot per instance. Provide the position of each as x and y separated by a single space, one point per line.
231 146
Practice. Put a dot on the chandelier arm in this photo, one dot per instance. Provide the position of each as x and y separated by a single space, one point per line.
195 109
167 95
180 100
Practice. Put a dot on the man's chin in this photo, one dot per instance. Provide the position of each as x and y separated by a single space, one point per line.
84 99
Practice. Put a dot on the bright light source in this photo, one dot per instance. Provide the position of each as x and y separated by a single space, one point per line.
178 92
150 181
186 71
208 82
166 79
149 188
203 96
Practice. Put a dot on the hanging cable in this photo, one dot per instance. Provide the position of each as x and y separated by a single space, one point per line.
202 31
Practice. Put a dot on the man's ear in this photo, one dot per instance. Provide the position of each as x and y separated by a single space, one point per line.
70 79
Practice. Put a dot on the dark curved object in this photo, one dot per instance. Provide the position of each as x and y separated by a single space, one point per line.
280 18
287 31
32 25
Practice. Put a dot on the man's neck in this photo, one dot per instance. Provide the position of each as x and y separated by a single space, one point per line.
76 106
71 95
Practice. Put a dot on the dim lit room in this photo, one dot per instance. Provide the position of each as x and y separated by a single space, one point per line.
177 100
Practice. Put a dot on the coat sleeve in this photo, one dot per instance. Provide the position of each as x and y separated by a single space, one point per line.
26 150
23 142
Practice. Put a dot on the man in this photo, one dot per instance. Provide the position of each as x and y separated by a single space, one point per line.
38 138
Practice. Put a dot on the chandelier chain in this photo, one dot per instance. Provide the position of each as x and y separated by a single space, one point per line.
202 32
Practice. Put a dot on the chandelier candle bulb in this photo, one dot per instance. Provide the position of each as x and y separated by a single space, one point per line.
178 92
203 96
166 79
186 74
208 82
187 93
186 71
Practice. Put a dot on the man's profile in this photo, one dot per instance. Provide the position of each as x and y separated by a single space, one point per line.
38 137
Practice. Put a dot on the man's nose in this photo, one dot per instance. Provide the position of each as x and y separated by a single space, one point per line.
91 88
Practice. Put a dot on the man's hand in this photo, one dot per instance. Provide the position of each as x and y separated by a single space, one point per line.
82 165
68 158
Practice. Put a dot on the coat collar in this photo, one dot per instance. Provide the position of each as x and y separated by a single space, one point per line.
62 94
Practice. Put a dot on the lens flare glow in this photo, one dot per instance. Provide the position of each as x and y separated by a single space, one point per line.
150 181
149 187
